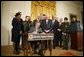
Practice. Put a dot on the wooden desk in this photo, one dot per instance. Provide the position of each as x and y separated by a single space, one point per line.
37 37
77 40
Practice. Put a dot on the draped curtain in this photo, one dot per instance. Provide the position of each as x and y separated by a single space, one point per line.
42 7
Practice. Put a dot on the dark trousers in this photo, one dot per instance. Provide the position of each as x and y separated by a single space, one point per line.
65 41
57 41
47 44
61 42
16 46
24 40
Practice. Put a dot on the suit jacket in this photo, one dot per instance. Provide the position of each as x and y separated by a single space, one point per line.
55 26
17 27
75 26
65 27
45 26
34 29
26 26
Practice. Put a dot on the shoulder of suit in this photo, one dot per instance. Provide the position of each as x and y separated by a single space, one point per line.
14 19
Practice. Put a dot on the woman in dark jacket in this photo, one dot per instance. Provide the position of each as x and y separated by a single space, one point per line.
16 31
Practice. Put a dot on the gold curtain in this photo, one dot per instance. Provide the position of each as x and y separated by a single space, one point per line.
42 7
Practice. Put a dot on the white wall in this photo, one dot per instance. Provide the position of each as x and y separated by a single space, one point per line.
8 10
64 8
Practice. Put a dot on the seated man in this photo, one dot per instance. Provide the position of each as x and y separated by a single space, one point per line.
36 44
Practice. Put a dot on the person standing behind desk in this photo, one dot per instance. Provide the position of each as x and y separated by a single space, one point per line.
55 26
46 25
65 33
27 24
60 32
74 30
17 32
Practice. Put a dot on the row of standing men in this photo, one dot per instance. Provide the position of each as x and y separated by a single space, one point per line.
60 29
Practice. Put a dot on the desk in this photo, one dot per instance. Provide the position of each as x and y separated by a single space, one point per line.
37 37
77 40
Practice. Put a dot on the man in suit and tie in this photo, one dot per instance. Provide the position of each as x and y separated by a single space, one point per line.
46 25
55 30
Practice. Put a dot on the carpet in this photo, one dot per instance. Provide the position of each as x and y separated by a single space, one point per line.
67 54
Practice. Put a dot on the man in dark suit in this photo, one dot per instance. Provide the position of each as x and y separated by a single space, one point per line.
74 29
46 25
54 29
